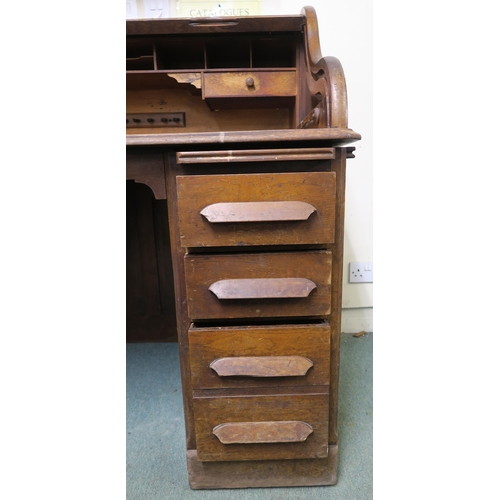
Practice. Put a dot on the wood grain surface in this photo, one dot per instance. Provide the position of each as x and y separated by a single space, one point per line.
262 366
251 155
262 432
262 474
197 192
213 411
204 270
257 211
262 288
250 83
310 341
255 186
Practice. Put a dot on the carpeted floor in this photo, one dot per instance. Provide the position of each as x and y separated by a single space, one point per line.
156 461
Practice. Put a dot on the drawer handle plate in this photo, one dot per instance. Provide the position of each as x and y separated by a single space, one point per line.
258 211
263 288
262 366
263 432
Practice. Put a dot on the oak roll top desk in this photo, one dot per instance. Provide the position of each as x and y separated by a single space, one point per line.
239 125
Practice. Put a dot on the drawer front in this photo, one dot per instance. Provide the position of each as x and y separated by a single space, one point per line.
264 427
256 209
250 84
258 285
260 356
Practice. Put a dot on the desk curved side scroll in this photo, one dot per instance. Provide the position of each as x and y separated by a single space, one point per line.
325 80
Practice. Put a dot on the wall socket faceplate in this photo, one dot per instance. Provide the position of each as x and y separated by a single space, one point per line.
360 272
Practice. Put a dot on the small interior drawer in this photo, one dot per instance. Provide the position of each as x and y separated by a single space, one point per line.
259 356
258 284
256 209
250 83
261 427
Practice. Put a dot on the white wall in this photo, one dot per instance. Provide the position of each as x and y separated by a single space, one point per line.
148 9
345 29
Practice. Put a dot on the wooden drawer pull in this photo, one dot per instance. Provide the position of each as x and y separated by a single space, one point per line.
262 366
262 432
212 24
258 211
262 288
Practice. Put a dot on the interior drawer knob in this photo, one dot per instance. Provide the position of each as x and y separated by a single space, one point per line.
262 432
263 288
262 366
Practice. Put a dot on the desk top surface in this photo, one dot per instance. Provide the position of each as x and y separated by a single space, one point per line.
337 136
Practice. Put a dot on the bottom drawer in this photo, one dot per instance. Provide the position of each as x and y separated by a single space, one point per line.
261 427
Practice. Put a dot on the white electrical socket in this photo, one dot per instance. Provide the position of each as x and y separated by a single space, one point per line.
361 272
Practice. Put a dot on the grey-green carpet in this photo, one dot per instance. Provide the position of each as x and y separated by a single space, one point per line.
156 460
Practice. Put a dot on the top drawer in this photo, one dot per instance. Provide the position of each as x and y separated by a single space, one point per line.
256 209
250 84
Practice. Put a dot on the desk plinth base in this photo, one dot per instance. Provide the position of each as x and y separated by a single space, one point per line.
262 474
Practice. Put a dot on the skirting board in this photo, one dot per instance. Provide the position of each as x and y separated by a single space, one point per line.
356 319
262 474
